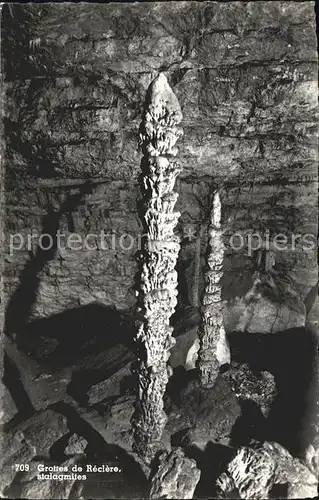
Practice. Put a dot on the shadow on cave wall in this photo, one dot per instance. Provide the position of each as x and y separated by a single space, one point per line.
20 305
71 329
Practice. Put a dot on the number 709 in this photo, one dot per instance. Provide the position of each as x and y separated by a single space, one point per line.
22 467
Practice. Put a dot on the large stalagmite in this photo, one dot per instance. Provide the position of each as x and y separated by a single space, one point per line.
158 282
213 349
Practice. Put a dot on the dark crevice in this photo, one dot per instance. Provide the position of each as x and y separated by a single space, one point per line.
216 454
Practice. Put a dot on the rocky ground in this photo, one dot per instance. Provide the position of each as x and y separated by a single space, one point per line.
79 411
75 77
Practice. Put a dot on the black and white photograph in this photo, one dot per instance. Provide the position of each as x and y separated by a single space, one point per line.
159 309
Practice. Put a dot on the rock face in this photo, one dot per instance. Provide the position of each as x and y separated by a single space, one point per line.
109 387
267 471
210 414
264 316
192 356
42 389
245 74
265 308
176 477
158 283
211 332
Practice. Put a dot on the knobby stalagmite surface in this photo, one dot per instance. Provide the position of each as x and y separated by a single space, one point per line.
213 349
158 281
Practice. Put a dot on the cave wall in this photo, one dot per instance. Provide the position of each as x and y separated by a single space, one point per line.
78 277
245 74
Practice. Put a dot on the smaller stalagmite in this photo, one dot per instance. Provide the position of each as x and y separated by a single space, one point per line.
213 349
158 281
309 432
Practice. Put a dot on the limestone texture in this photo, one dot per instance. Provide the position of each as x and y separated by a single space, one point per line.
34 437
8 407
109 387
33 489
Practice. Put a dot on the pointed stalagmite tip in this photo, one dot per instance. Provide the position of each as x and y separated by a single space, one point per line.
217 208
162 103
160 80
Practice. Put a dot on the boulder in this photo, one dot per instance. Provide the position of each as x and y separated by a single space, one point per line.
8 408
114 424
266 471
43 388
14 450
176 476
109 387
211 412
44 429
33 437
250 387
34 489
